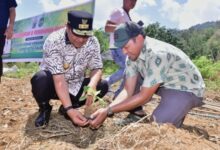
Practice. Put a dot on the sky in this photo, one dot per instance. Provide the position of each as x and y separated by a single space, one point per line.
178 14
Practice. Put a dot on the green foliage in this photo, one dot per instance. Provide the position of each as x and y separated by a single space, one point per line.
24 69
213 84
195 42
161 33
109 67
214 45
103 39
89 91
209 70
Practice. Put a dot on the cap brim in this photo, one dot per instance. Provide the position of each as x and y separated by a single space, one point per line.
83 33
121 44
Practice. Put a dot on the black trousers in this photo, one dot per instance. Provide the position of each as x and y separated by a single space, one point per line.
2 44
43 89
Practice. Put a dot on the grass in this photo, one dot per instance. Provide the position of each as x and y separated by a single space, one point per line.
27 69
209 70
212 85
24 69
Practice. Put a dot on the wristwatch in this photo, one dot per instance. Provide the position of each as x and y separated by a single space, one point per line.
68 108
110 113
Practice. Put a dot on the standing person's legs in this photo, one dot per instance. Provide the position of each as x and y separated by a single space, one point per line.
2 44
122 84
119 58
174 106
43 90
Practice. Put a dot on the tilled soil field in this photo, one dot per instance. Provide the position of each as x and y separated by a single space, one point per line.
18 111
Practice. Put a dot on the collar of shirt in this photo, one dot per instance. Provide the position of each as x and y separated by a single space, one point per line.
67 40
143 52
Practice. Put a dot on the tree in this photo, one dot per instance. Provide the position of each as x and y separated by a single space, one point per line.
161 33
214 45
194 42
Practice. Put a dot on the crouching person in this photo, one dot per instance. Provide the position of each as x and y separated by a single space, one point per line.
164 70
67 54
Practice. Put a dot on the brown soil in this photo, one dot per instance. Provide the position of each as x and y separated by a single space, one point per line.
18 111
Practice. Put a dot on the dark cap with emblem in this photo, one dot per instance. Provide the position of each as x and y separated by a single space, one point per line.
80 22
126 31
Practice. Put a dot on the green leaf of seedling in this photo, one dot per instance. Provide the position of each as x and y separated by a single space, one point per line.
94 93
82 98
86 88
97 93
101 101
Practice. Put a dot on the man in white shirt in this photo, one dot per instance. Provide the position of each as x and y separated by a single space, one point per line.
164 70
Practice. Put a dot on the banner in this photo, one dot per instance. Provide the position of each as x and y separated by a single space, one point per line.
30 34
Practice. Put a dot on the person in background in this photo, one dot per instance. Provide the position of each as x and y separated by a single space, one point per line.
68 53
163 69
118 16
7 19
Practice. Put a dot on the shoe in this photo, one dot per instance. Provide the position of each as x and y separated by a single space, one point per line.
44 116
131 118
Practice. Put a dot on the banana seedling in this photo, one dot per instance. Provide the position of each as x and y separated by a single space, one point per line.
88 91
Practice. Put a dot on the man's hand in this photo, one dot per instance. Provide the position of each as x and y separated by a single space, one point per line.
90 94
77 117
9 32
98 118
89 100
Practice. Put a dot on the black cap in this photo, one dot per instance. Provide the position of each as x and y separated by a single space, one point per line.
80 22
126 31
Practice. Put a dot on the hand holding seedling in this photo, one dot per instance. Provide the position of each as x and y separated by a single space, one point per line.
90 95
98 118
77 117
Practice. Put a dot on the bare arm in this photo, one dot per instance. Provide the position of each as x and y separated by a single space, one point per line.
125 102
110 26
9 30
95 77
63 94
127 91
137 100
62 89
101 114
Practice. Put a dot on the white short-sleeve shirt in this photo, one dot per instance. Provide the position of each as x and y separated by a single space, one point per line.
160 62
117 16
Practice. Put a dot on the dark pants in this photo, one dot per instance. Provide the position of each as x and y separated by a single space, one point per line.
2 44
43 89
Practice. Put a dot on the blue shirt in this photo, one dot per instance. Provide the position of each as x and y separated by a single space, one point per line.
5 5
